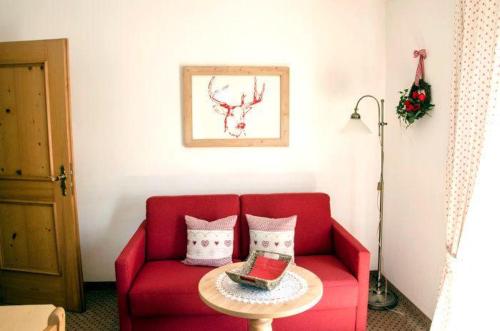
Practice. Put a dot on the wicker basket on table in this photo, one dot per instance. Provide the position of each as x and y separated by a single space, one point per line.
242 276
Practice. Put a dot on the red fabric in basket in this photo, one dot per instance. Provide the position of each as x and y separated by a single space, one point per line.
267 268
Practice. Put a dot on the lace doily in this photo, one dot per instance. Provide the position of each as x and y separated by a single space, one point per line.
291 287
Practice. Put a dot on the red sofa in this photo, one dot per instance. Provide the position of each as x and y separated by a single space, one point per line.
158 292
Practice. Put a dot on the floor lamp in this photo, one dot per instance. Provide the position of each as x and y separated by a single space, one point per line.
379 298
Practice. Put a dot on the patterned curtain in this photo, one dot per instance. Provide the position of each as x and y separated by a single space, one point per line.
475 85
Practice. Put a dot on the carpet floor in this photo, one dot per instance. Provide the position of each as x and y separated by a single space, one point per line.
102 314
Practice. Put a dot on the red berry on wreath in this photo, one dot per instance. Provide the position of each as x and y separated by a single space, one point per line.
414 95
421 97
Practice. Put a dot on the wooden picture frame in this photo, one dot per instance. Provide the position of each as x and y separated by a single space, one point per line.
209 92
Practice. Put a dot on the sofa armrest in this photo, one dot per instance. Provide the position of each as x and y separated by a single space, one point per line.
357 259
350 251
127 265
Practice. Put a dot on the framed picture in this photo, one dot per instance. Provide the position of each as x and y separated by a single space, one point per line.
235 106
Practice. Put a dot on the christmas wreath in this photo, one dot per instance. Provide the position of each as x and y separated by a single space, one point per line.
415 103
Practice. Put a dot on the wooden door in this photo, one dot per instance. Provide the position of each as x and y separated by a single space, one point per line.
39 241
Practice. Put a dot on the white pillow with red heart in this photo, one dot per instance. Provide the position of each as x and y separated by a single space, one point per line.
210 243
272 234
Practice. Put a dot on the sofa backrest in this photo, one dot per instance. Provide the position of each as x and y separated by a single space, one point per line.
166 231
313 232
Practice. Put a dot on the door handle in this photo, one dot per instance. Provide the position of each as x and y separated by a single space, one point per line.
62 177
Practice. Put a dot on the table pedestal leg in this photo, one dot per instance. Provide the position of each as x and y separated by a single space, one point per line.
263 324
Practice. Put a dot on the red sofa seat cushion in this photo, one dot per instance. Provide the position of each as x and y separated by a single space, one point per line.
340 288
166 227
313 231
171 288
168 288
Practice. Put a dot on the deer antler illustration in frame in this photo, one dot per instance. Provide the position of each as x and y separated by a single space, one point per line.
235 106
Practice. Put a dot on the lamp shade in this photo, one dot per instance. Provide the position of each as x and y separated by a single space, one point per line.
356 126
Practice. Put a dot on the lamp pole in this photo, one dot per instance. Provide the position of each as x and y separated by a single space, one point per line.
379 298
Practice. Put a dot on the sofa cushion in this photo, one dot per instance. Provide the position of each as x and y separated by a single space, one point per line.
171 288
210 243
340 288
168 287
166 228
314 224
272 234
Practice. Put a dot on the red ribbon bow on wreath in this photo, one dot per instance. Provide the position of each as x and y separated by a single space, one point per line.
422 54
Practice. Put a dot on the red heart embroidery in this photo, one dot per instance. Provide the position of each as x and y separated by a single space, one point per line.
288 243
204 243
216 243
227 242
194 242
265 243
276 243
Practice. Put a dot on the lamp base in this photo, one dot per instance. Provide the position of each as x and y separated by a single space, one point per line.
381 300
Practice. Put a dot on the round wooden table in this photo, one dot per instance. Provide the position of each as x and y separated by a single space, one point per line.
260 316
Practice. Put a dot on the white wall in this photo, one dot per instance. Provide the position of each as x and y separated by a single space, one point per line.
125 59
414 242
